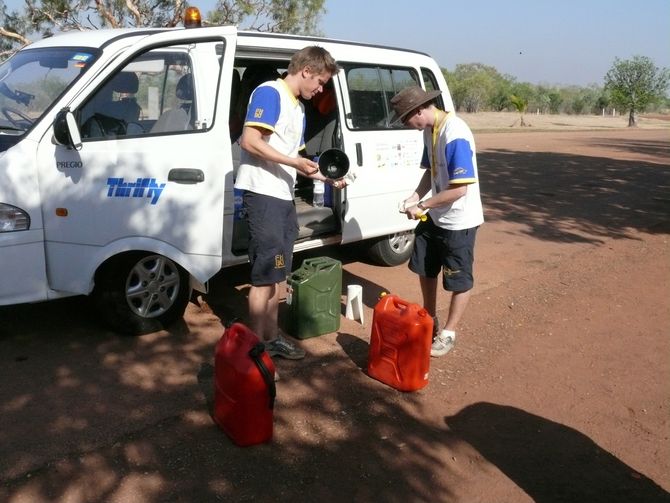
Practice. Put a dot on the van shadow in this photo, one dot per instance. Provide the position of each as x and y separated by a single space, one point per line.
229 289
551 462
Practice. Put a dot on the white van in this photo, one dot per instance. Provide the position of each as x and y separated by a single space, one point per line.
118 154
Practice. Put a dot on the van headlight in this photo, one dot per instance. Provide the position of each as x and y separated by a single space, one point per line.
13 218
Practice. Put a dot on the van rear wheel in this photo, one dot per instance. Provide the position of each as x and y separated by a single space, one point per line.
137 293
393 249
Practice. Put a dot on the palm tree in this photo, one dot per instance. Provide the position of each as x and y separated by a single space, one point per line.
521 104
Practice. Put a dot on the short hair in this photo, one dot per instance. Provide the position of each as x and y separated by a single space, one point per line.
316 58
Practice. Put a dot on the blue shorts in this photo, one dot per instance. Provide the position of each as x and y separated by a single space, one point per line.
452 252
273 229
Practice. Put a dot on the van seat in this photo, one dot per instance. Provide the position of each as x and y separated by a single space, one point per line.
180 118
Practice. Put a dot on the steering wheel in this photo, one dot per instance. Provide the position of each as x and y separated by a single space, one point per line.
12 113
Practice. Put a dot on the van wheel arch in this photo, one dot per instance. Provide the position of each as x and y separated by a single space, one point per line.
140 292
393 249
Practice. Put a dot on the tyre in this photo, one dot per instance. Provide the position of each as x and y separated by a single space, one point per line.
138 292
393 249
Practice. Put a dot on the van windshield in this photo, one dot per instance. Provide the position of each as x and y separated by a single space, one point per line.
32 80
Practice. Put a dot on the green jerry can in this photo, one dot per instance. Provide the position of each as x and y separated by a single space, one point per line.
314 296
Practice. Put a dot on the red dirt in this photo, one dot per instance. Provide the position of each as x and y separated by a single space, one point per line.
557 389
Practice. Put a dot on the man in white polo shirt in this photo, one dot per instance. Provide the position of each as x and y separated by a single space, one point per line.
272 137
445 240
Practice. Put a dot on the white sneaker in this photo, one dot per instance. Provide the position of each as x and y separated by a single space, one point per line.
443 343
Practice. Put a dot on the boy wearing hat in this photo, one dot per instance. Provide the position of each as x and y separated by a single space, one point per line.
445 240
273 135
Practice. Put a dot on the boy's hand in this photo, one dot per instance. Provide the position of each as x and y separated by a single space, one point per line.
340 183
405 205
306 166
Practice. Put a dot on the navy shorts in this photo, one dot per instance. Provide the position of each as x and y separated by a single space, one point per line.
273 229
451 251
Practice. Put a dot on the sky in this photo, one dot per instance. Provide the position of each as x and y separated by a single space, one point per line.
538 41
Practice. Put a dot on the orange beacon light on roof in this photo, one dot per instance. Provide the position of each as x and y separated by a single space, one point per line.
192 18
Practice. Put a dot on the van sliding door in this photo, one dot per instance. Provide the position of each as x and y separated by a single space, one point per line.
384 157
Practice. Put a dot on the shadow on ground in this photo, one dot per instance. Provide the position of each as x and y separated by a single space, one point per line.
228 296
551 462
570 198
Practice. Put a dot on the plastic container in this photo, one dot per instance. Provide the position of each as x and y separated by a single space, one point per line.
318 195
314 298
238 204
328 197
400 341
244 388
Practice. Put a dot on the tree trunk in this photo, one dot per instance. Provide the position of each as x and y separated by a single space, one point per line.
631 118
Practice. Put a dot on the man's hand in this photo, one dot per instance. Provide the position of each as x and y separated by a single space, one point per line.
306 166
340 183
413 212
405 205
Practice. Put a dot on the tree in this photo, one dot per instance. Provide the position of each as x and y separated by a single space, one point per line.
635 83
520 104
472 85
284 16
12 27
555 101
522 94
499 99
45 17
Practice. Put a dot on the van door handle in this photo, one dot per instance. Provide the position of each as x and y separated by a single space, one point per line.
359 154
186 175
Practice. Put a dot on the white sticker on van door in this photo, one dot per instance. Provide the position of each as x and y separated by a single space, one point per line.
398 155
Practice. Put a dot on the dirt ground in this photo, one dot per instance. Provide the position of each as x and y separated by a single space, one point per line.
510 122
557 389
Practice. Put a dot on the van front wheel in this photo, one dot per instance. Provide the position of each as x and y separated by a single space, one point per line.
393 249
137 293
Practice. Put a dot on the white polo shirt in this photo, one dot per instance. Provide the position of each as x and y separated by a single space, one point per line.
454 160
273 106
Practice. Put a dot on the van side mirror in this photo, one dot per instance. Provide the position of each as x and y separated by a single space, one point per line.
66 131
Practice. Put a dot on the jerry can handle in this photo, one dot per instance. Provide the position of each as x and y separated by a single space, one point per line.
319 263
255 353
400 303
322 265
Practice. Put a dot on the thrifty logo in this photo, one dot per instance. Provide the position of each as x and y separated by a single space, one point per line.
143 187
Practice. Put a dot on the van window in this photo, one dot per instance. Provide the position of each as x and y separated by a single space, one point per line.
33 80
370 91
430 83
155 93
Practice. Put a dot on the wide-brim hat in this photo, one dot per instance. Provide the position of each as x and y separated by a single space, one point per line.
410 99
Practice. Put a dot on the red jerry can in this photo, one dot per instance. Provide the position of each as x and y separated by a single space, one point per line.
244 386
400 343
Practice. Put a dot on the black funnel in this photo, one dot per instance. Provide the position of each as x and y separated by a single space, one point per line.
333 163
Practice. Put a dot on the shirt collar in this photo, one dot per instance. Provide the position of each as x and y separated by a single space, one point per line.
288 91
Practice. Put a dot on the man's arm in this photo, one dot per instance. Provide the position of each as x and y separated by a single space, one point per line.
253 141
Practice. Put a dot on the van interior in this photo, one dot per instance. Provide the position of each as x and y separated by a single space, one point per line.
322 132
